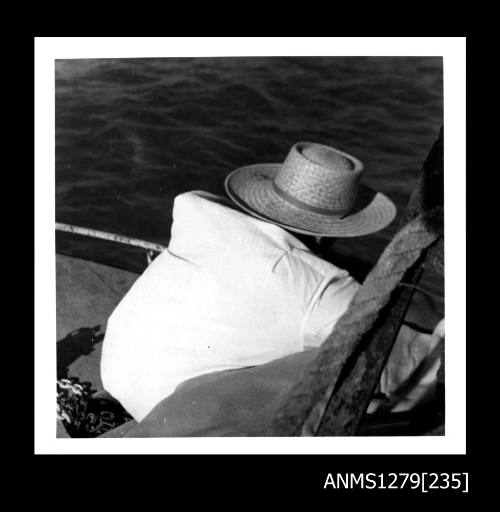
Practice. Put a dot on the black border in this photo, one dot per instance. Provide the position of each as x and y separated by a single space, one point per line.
255 475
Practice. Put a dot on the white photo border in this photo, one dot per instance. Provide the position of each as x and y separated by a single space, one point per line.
451 49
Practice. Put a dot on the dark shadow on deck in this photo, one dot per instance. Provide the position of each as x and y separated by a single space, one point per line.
77 343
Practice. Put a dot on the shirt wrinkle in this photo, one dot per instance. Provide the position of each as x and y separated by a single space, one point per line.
277 262
182 258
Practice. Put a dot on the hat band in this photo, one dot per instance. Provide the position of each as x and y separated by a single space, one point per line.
304 206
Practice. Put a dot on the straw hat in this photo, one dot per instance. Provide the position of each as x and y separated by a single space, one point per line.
315 191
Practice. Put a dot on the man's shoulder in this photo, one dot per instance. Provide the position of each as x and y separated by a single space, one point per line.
318 264
212 226
200 216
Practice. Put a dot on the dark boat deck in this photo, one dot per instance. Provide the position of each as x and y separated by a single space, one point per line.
87 294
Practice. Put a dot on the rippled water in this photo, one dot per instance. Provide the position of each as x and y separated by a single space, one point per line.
131 134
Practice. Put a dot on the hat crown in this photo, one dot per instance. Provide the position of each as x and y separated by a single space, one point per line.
327 157
319 177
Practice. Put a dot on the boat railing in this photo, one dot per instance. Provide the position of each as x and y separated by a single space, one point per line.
150 247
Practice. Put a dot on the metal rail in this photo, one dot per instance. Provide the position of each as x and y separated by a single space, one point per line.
112 237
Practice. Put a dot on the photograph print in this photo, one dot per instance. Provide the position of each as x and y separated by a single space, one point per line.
249 247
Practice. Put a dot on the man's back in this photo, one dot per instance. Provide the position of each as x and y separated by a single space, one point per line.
231 291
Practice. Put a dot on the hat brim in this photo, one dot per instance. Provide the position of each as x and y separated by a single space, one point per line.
251 189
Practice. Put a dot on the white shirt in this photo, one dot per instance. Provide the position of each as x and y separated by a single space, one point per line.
231 291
